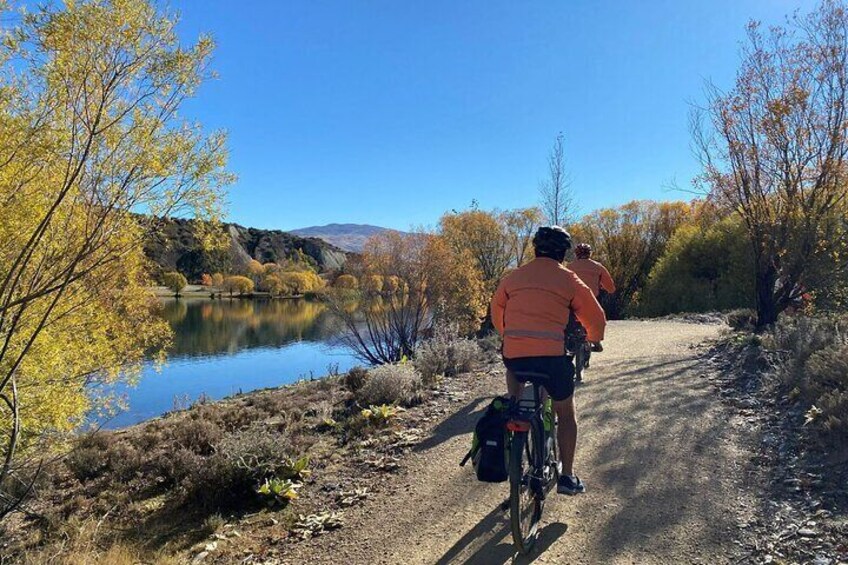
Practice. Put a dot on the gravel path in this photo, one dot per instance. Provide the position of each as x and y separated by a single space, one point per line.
664 473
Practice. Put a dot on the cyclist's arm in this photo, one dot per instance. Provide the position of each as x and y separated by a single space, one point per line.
606 281
498 308
589 312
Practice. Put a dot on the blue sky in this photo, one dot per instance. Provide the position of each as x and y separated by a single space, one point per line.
391 112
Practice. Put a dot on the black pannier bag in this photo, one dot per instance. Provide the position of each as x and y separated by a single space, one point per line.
489 447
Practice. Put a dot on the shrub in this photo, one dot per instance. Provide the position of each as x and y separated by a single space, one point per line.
825 385
373 284
743 319
347 282
390 384
199 436
355 378
446 353
124 461
701 270
798 337
175 282
88 460
241 462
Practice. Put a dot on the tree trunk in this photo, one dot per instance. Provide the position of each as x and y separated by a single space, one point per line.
767 309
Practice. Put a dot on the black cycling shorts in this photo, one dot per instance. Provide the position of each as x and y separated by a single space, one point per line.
560 371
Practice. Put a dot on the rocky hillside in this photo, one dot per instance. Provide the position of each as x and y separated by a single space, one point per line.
176 245
350 237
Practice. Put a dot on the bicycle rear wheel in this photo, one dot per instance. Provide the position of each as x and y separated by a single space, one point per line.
525 499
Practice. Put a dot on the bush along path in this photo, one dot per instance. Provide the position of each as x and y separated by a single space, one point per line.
364 469
785 386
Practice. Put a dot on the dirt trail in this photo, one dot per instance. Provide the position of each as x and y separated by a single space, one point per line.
664 473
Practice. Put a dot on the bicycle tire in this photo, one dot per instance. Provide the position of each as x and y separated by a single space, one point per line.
579 362
522 455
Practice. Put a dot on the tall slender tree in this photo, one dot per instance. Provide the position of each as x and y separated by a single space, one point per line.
557 196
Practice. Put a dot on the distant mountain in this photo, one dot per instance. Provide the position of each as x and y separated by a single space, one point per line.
175 246
350 237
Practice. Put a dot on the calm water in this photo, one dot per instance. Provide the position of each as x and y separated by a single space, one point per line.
223 347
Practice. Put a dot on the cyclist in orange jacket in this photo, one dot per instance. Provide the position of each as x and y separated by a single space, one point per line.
591 272
531 309
596 277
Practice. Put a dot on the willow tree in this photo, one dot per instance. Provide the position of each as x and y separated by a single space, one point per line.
629 240
774 148
90 136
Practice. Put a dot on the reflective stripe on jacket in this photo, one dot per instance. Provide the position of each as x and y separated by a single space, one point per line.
593 274
531 308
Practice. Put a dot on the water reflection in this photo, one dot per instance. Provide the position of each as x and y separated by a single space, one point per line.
222 347
214 327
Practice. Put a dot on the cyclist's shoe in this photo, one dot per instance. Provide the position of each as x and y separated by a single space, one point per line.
596 346
570 485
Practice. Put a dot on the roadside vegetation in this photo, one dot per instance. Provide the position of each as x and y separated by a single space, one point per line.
164 490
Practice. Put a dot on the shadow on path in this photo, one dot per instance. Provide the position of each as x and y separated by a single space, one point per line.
490 542
459 423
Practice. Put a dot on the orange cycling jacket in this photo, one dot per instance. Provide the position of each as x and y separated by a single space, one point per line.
531 308
593 274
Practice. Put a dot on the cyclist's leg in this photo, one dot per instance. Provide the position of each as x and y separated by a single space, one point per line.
514 387
561 389
566 433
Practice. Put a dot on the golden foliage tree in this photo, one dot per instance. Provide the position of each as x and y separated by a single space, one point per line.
774 149
629 240
434 283
346 281
521 225
91 132
175 282
238 284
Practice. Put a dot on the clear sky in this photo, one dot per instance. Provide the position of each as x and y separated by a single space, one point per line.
391 112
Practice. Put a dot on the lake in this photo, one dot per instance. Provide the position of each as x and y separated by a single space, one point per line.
224 347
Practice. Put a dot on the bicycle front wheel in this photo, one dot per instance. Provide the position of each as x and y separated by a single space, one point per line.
525 501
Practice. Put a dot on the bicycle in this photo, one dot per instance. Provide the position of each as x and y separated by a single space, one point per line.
580 348
533 461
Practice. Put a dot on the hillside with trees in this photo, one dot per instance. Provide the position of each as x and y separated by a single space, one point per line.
194 247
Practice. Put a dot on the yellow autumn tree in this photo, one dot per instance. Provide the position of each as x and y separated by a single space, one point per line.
434 285
482 237
629 240
91 133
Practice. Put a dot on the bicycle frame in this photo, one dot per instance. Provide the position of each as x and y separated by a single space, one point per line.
523 413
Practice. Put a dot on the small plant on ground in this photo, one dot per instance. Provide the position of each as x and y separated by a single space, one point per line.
391 384
317 524
353 497
743 319
295 469
446 353
380 416
278 492
355 378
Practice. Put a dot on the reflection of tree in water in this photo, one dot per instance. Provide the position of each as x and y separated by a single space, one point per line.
226 326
